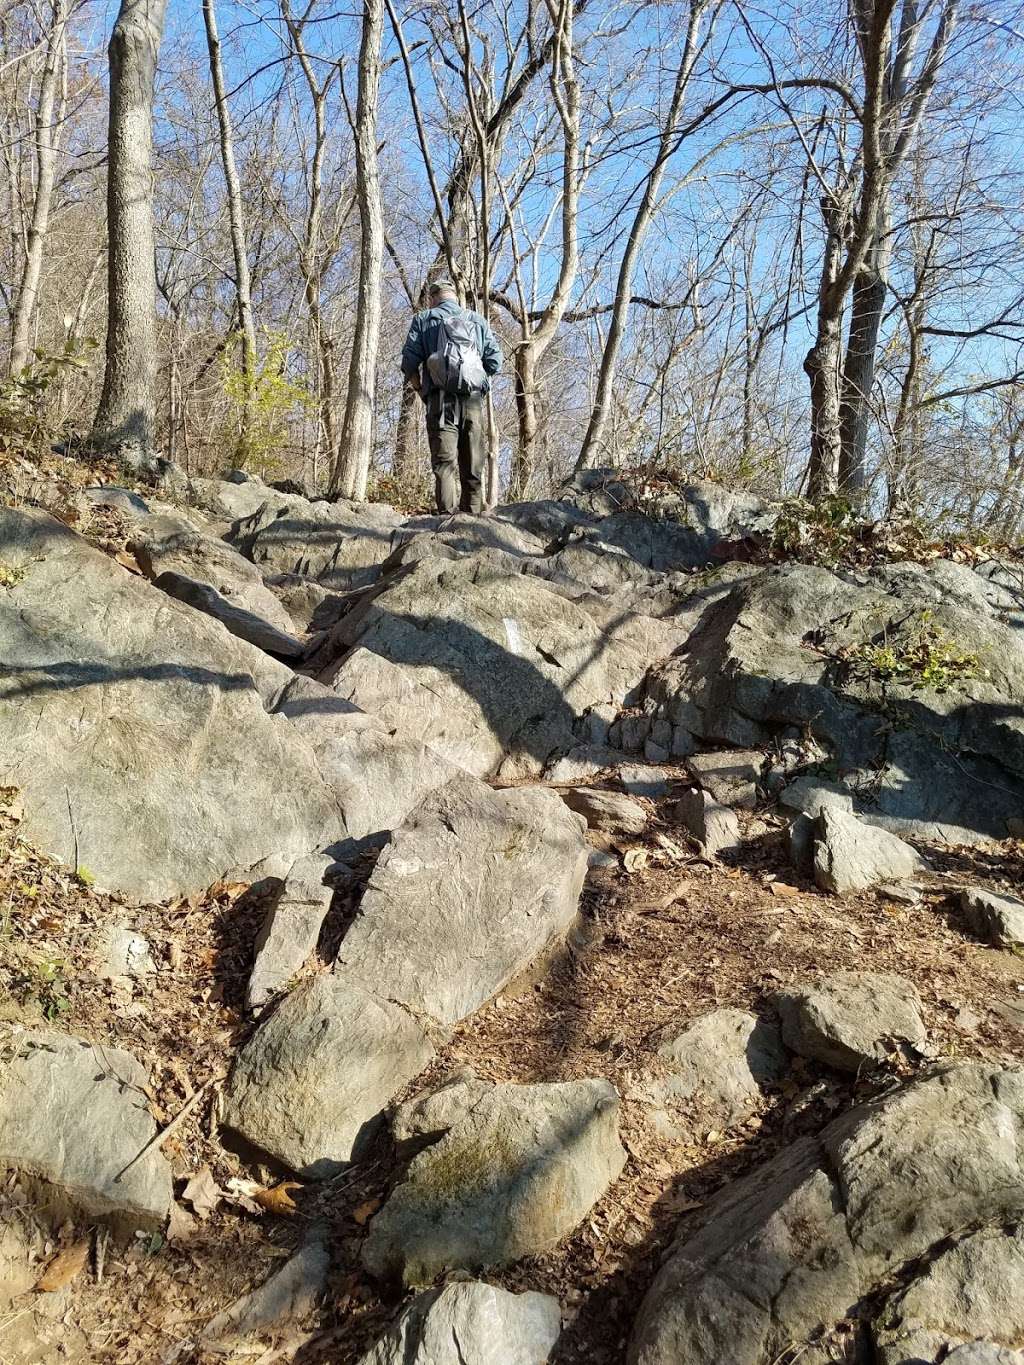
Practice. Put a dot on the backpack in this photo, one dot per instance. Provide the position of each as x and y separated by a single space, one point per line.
456 366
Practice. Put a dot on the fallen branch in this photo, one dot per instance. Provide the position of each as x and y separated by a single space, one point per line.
158 1139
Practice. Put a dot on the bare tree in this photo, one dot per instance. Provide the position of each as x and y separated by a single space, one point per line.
236 217
352 465
47 133
126 412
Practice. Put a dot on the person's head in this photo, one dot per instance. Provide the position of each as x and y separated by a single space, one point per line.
440 290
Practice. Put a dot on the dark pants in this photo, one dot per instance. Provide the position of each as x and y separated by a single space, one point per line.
457 452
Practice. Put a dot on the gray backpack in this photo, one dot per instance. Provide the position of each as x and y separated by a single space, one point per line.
456 366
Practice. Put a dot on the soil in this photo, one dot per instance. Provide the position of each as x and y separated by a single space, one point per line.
659 944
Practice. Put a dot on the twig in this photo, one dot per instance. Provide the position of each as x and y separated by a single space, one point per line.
158 1139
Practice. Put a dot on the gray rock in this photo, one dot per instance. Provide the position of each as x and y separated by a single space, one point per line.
114 700
289 1295
716 828
719 1066
984 1353
310 606
471 1323
598 858
851 856
468 892
970 1291
640 779
123 954
510 1179
852 1019
121 499
997 919
731 777
899 895
810 796
342 545
170 544
291 928
489 667
790 1250
582 763
238 620
608 811
428 1116
656 753
310 1084
75 1116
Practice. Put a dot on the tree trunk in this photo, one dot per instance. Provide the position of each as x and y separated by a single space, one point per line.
236 217
595 440
822 368
127 404
526 407
47 138
352 465
868 304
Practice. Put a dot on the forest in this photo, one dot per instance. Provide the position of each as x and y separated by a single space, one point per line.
779 248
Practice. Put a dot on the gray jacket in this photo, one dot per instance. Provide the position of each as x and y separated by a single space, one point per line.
423 338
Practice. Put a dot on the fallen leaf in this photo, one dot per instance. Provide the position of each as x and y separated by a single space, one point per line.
180 1225
366 1211
202 1193
64 1267
127 561
227 890
279 1200
784 891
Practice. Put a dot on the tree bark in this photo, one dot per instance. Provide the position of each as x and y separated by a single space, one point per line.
128 401
352 464
236 218
46 139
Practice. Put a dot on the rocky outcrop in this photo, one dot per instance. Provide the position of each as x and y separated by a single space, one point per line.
607 811
516 1172
787 1256
491 668
85 1153
291 928
471 1323
255 630
852 1020
780 650
115 701
340 545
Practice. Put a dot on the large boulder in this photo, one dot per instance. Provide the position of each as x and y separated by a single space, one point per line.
137 729
490 667
471 1323
997 919
310 1084
468 892
74 1118
514 1174
781 650
786 1257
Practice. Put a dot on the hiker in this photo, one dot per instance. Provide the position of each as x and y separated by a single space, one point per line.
449 357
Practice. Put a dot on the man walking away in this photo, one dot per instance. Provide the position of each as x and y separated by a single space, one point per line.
449 358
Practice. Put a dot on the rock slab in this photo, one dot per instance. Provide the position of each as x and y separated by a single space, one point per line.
312 1080
851 856
76 1117
471 1323
997 919
291 929
852 1020
511 1177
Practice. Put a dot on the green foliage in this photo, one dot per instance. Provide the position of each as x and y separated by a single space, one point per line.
25 425
10 576
85 877
927 658
51 988
261 406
